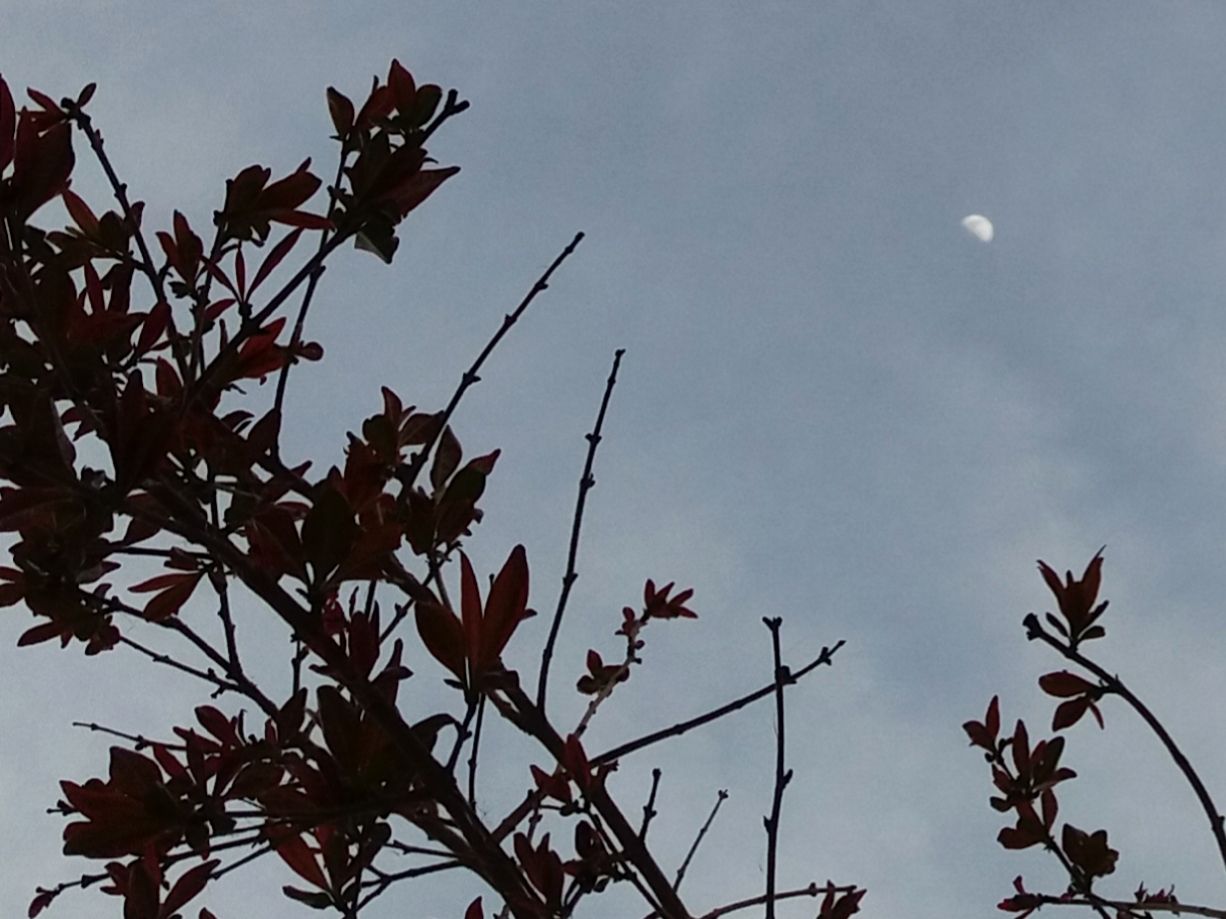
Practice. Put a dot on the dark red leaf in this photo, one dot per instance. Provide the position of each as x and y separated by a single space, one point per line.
186 888
315 900
8 124
44 897
442 635
447 457
1050 808
471 614
159 582
45 101
133 773
328 531
556 786
274 257
295 853
153 328
341 111
1089 851
506 607
1021 749
171 600
79 211
41 166
291 191
1063 684
378 105
411 193
1012 837
217 724
341 725
1069 713
575 762
296 218
39 633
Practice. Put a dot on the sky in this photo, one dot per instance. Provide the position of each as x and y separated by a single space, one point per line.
835 406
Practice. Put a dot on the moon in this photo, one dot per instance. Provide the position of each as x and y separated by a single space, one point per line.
979 227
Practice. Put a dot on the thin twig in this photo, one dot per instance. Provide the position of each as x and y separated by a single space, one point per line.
649 809
811 891
1115 685
300 321
120 190
1165 906
157 657
383 883
418 461
472 755
531 803
250 857
217 579
720 797
783 775
139 741
452 106
681 727
586 482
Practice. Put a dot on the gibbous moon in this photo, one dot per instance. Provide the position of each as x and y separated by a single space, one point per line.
979 227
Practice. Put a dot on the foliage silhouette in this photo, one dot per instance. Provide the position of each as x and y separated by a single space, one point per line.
1026 775
134 431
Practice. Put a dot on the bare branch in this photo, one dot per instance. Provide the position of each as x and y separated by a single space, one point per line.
417 463
782 775
649 809
715 714
586 482
720 797
813 890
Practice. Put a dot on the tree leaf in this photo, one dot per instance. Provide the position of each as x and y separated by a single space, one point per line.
328 531
506 607
443 636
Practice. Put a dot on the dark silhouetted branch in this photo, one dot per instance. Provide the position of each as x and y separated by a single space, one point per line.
682 727
783 775
1115 685
470 376
586 481
720 797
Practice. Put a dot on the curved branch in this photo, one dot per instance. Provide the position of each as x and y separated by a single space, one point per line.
1115 685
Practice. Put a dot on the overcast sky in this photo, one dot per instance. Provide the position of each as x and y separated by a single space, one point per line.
836 406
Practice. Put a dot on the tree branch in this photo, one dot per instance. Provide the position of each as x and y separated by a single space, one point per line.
682 727
782 775
1115 685
586 482
720 797
418 460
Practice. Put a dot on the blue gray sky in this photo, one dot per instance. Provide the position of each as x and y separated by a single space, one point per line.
835 406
